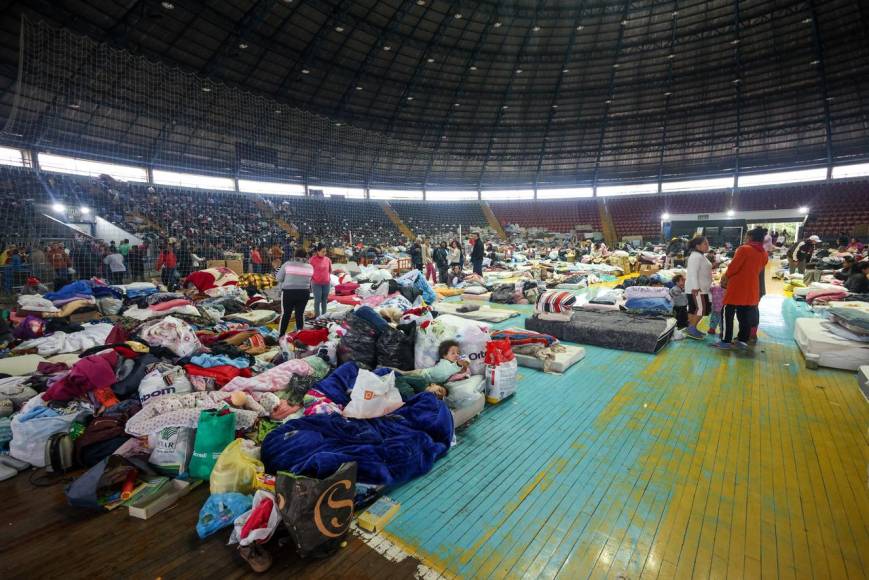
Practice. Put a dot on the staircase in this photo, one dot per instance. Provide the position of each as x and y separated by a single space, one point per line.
396 219
606 221
493 220
269 213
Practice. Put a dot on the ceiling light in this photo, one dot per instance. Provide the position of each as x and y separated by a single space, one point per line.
498 24
536 29
339 29
84 210
430 60
58 207
387 47
804 210
306 71
242 45
458 15
358 87
665 216
730 213
206 89
337 124
167 5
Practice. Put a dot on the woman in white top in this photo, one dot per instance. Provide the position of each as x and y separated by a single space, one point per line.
455 254
697 284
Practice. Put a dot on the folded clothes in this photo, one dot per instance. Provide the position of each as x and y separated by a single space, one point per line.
211 360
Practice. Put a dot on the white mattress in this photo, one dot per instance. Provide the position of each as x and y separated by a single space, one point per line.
485 313
826 349
477 297
563 360
468 412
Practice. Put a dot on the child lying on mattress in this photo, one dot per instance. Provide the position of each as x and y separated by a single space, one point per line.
432 379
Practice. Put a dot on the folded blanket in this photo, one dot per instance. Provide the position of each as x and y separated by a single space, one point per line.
274 379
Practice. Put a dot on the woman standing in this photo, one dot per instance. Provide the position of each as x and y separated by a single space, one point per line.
428 262
294 278
166 263
455 254
697 284
321 280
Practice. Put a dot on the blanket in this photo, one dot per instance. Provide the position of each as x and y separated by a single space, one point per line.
62 342
389 450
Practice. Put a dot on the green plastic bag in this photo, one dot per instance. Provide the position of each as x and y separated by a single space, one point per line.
213 434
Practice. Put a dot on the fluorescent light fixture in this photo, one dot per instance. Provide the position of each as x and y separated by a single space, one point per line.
84 210
350 192
565 192
270 187
496 194
75 166
58 207
395 194
193 180
804 210
730 213
665 216
818 174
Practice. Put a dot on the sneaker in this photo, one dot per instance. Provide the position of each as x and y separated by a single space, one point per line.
695 334
721 345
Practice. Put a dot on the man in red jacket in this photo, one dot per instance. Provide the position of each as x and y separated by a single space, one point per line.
742 293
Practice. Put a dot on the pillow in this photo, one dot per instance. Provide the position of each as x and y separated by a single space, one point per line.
475 290
555 301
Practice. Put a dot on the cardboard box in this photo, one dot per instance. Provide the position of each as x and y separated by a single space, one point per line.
236 266
165 498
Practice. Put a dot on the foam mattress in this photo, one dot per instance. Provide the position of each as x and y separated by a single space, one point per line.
825 349
563 360
485 313
477 297
618 330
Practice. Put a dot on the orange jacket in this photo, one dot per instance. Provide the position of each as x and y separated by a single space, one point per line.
743 275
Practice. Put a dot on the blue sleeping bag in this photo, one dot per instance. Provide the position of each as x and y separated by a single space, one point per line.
389 450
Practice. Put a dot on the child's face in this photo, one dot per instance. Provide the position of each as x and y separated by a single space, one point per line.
681 283
453 354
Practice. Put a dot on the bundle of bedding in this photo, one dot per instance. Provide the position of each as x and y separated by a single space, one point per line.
618 330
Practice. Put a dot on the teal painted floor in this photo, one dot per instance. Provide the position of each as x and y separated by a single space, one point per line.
670 465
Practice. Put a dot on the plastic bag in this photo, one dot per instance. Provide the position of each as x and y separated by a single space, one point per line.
359 342
373 396
395 347
214 433
504 294
498 351
317 512
221 510
30 435
172 449
244 533
465 393
501 381
236 468
164 379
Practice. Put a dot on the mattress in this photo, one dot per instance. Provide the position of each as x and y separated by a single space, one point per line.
822 348
863 380
477 297
562 362
618 330
485 313
469 411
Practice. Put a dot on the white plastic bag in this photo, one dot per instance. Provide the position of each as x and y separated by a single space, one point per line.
260 535
501 381
163 380
29 437
471 335
465 393
172 448
373 396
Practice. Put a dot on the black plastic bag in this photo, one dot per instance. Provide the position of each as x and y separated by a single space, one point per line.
359 343
395 347
317 512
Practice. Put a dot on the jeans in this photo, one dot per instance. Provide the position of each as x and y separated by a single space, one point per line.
293 301
321 298
748 318
443 275
116 278
478 267
430 273
167 276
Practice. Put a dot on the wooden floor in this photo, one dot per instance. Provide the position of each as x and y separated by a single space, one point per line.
689 464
